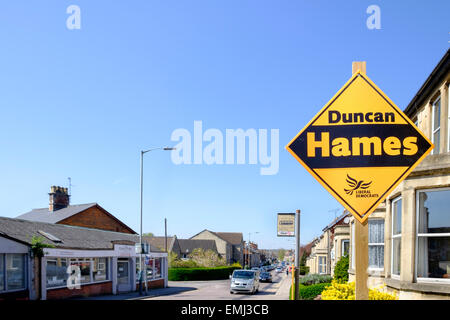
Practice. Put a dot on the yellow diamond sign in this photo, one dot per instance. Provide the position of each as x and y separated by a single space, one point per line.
360 146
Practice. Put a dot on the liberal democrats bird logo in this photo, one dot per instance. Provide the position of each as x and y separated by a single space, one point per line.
355 185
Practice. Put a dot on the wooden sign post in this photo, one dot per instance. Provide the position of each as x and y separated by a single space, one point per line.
361 235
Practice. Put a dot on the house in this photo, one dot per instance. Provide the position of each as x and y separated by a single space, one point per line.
229 244
81 261
409 234
252 255
333 243
89 215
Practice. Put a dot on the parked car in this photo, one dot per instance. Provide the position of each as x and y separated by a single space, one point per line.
265 277
279 269
244 281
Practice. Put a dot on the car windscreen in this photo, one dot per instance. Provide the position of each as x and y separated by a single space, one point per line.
243 274
265 274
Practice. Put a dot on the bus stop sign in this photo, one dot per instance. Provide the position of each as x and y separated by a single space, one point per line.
360 146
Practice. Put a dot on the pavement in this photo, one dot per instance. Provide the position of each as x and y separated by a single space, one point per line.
151 293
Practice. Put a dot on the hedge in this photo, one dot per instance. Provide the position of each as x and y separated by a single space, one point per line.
312 291
189 274
309 292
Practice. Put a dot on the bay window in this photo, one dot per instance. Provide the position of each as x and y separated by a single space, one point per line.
2 272
436 125
433 234
376 243
396 236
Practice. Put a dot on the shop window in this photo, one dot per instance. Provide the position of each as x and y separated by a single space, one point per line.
2 272
436 132
150 269
158 269
85 269
100 269
376 243
433 234
322 264
345 245
56 271
15 271
396 235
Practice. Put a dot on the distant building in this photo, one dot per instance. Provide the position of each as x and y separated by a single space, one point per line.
229 245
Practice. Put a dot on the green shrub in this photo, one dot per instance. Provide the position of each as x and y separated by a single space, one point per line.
312 291
191 274
311 279
341 269
303 270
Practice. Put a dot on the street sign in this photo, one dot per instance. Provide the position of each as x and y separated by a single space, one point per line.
286 225
360 146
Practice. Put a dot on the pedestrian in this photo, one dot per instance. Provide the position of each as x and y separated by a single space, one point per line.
287 271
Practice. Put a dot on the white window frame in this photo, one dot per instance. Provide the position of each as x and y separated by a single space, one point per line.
433 129
381 244
324 265
342 246
448 120
421 279
393 275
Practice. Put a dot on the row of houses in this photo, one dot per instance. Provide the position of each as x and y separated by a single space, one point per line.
409 233
87 251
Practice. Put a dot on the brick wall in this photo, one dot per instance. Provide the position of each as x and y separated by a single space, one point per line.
17 295
85 291
153 284
96 218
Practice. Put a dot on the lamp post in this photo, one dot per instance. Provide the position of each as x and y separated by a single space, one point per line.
143 274
248 248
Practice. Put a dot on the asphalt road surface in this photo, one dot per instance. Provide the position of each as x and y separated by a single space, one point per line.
220 290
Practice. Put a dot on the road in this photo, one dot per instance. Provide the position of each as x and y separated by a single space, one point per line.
220 290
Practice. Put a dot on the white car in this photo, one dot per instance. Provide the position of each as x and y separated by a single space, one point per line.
244 281
279 269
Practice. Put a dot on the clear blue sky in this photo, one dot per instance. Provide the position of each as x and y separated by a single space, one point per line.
83 103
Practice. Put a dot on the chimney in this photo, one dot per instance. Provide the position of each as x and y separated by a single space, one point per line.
59 198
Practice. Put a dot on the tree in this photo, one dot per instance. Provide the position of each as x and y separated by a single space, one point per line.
281 254
148 234
207 258
303 259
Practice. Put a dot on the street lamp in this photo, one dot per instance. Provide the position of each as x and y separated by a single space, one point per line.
248 248
141 273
